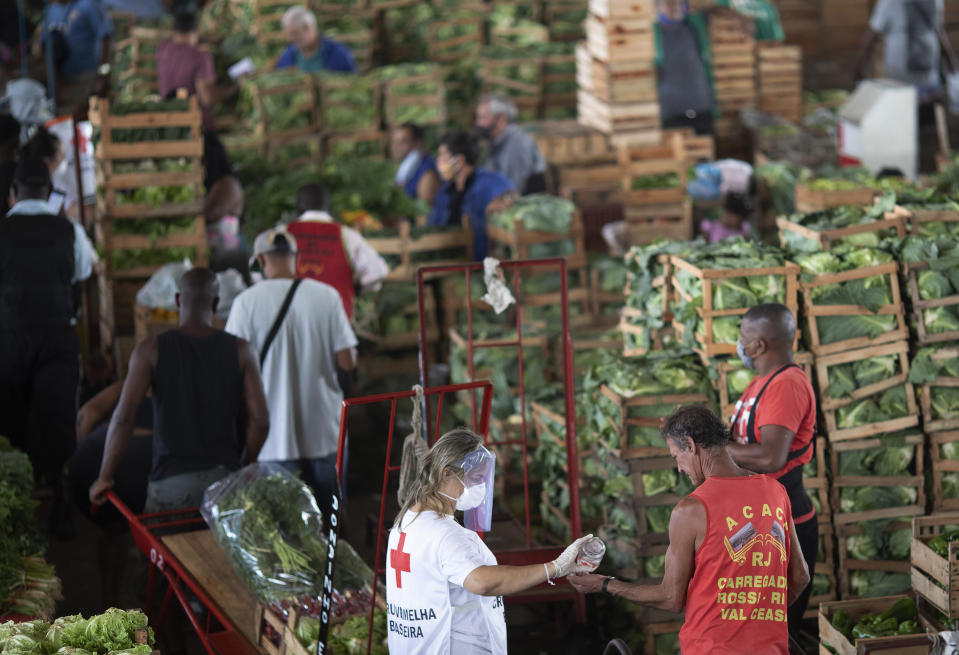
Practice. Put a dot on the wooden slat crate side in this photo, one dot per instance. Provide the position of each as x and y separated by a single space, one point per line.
847 564
940 467
808 200
934 577
830 636
912 271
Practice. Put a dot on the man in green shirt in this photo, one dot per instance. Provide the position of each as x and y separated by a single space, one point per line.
765 16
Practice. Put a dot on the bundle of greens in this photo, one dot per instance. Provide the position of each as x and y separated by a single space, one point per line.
728 293
892 404
655 181
456 35
901 619
877 542
116 632
780 179
346 638
871 292
540 212
644 295
124 260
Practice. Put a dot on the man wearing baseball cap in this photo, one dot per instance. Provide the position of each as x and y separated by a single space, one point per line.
302 334
41 256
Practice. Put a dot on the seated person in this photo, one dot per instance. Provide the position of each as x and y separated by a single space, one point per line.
416 169
468 189
308 50
737 209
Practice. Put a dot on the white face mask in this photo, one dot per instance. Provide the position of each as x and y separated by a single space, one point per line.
471 498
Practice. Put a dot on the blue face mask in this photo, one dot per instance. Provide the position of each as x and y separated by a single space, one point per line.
741 351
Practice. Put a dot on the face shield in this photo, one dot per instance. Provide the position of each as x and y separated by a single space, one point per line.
479 472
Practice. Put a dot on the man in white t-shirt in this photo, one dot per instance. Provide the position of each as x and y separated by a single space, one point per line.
312 338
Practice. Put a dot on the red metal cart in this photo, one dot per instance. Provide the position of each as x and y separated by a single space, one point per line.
152 534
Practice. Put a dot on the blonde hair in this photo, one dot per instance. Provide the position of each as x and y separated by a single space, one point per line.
298 14
448 451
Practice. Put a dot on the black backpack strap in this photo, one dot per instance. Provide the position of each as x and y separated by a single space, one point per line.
284 308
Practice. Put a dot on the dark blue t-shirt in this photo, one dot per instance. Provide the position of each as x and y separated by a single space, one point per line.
486 187
331 56
84 24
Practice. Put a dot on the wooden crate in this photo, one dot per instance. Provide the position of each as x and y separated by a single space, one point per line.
517 241
830 405
456 49
631 123
394 100
407 248
919 306
825 565
369 144
626 421
409 340
941 424
142 43
709 348
623 9
560 15
110 242
696 148
829 636
839 482
268 137
917 219
941 465
847 564
826 237
633 334
808 200
568 142
934 577
606 305
107 149
646 224
616 82
813 311
667 158
327 86
620 39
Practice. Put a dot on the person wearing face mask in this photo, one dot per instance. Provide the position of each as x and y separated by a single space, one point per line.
444 588
416 169
468 190
512 151
775 420
732 561
309 50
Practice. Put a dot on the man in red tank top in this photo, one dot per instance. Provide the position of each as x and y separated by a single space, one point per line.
775 421
333 253
733 561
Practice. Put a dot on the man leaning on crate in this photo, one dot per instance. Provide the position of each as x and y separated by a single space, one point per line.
774 423
732 562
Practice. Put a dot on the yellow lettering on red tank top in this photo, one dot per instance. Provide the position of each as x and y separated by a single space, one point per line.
760 548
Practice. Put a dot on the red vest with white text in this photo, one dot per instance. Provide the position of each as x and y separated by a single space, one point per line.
323 258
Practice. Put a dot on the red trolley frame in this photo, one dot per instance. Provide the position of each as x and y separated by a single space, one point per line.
225 640
532 553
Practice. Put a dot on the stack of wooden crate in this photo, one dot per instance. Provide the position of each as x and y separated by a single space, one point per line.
126 225
734 70
779 73
616 74
654 191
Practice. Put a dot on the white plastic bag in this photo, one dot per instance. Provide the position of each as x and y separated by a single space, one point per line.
160 290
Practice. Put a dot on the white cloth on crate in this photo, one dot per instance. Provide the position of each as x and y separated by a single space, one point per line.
428 609
299 372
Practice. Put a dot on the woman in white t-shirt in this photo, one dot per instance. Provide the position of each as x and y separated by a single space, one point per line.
444 589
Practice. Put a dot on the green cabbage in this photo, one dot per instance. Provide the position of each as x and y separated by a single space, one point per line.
862 547
939 320
22 645
864 499
833 329
945 402
659 482
950 450
726 329
873 584
841 380
950 485
875 369
733 293
933 285
737 380
859 413
900 544
893 403
655 566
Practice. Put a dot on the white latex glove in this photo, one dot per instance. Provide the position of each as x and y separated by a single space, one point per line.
566 563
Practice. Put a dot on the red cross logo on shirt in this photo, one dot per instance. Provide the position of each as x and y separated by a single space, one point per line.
400 561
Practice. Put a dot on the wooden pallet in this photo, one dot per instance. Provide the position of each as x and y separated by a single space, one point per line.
831 637
941 465
813 311
789 271
934 577
907 479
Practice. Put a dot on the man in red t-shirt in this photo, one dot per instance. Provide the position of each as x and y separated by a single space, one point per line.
775 421
732 563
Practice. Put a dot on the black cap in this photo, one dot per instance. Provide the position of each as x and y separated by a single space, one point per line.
32 172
